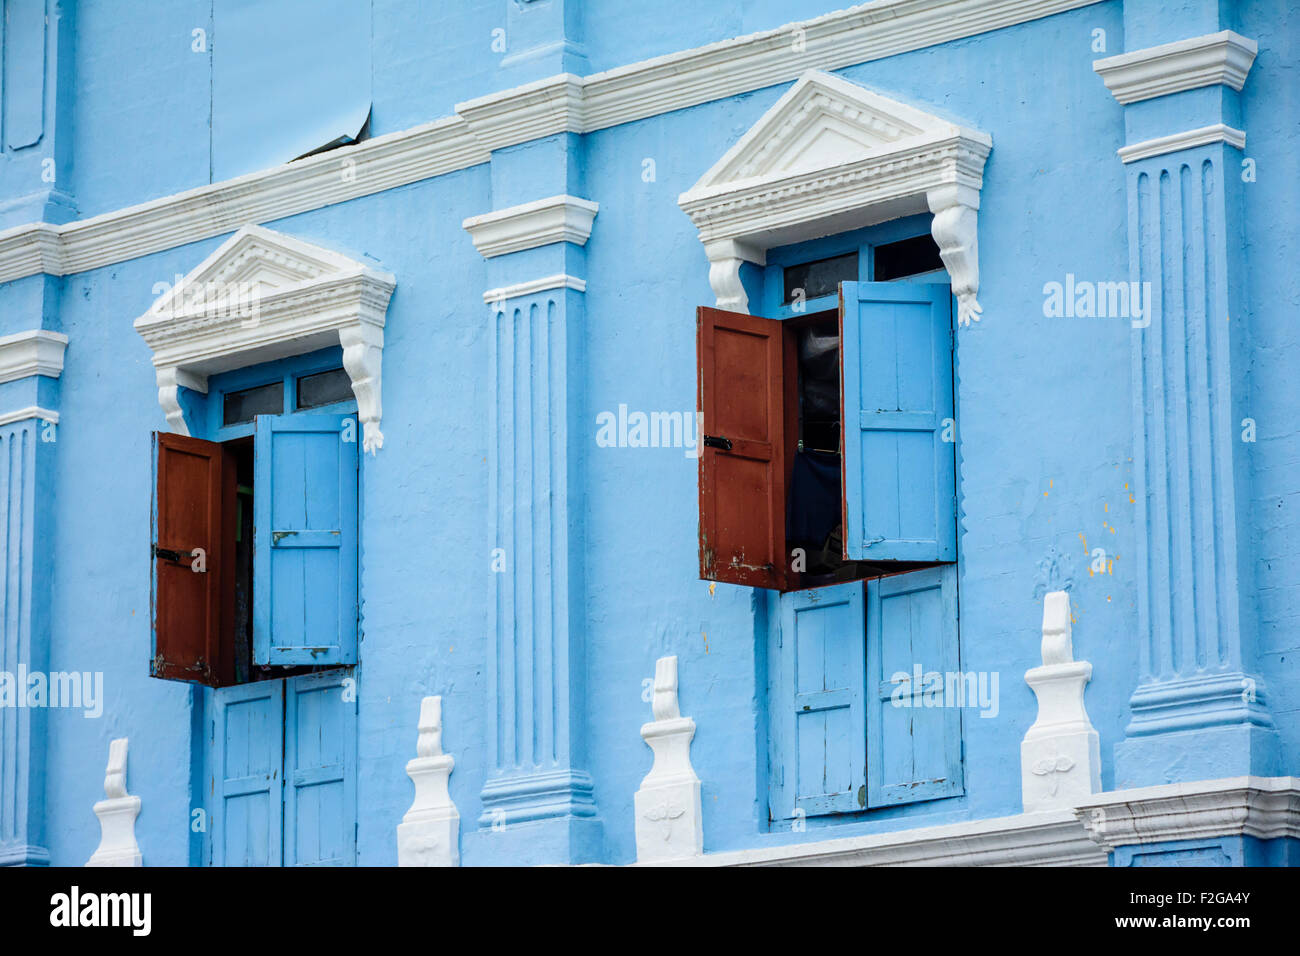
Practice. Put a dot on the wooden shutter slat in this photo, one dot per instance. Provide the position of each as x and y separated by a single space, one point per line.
193 612
899 473
914 752
743 363
304 540
819 761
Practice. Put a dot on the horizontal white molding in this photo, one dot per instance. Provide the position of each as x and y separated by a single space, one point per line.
564 103
1218 133
1263 807
541 222
1046 838
558 281
1216 58
31 411
33 352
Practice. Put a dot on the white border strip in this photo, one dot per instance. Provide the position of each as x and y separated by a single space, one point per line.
717 71
31 411
561 280
1218 133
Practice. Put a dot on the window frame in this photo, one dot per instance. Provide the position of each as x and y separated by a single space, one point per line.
285 370
780 604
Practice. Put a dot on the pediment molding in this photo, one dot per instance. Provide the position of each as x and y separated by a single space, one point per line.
831 155
261 296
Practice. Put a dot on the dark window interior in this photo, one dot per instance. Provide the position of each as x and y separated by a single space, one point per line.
241 449
814 504
820 278
908 257
324 388
248 403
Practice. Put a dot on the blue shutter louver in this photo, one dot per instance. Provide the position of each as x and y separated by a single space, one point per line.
320 752
900 475
247 781
305 540
915 742
821 732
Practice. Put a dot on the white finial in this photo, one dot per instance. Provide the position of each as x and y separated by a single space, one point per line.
429 743
1058 645
665 705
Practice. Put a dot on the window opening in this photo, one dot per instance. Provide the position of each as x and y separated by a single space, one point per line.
907 257
246 404
819 278
324 388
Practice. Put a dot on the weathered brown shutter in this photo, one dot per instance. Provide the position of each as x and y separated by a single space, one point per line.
744 363
193 611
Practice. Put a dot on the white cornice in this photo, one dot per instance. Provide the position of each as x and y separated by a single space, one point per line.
1218 133
1047 838
31 411
539 223
558 281
1215 58
34 352
1263 807
263 295
831 155
559 104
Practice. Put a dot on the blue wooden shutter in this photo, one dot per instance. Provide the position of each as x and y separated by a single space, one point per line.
320 755
914 750
305 540
245 779
900 475
819 760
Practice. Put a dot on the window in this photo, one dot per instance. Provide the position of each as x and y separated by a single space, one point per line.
827 451
255 537
828 475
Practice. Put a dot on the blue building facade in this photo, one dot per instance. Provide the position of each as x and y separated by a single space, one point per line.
877 421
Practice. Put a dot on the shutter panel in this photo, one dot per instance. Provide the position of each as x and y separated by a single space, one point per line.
900 475
193 611
820 766
914 750
743 363
320 754
305 540
245 774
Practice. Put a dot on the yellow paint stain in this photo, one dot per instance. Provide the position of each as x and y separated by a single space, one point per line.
1084 541
706 641
713 586
1112 530
1107 598
1110 568
1130 500
1105 507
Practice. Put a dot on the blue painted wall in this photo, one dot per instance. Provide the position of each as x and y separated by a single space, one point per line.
1045 411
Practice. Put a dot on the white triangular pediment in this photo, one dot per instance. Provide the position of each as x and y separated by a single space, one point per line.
821 122
256 260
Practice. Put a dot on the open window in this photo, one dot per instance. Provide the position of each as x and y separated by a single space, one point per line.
255 550
826 452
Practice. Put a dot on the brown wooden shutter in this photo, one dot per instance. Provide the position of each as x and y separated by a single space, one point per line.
193 611
744 365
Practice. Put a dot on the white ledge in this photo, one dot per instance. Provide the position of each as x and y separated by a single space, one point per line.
34 352
560 280
1216 58
1046 838
262 296
1263 807
1218 133
717 71
31 411
539 223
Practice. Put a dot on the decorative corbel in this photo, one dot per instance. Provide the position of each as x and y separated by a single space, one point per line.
363 353
117 813
429 834
170 381
669 823
955 229
725 258
1060 756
